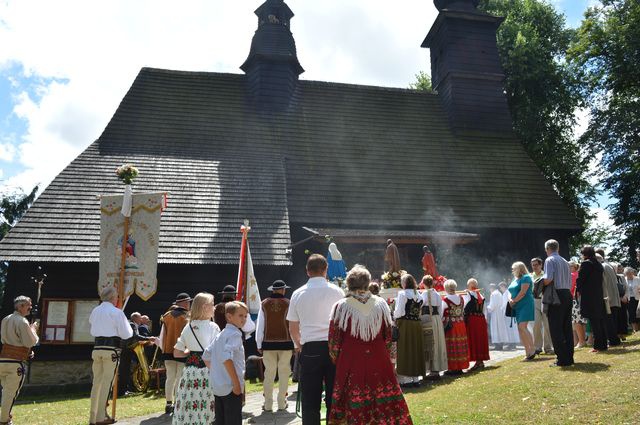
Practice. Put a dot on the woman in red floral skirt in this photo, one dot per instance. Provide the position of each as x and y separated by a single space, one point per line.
365 390
455 332
476 324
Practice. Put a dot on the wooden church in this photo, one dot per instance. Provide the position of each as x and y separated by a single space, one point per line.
297 158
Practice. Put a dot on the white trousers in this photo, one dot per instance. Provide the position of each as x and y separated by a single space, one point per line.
280 361
11 378
541 334
174 372
105 364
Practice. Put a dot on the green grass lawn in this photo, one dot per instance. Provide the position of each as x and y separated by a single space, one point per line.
600 389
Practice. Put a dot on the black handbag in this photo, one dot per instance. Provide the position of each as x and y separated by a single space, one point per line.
510 311
395 333
448 324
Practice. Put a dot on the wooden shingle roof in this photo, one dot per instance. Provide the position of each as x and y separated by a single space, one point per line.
342 156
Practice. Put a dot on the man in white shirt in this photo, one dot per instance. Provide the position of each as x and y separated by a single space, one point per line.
18 336
309 315
109 326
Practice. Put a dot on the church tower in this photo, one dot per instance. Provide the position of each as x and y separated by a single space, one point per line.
466 70
272 67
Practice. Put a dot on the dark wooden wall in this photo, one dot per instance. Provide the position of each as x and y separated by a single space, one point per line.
78 280
491 255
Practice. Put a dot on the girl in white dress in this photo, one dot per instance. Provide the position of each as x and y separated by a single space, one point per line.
194 397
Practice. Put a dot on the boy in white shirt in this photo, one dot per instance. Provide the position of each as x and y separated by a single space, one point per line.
225 360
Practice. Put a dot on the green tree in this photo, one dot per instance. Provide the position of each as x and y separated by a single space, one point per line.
423 82
607 52
12 208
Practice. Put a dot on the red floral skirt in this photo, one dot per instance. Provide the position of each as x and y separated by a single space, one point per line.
478 338
366 390
457 346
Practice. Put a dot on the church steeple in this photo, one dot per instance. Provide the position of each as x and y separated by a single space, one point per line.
272 66
465 67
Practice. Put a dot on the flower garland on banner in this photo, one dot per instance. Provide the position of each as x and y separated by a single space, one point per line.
127 173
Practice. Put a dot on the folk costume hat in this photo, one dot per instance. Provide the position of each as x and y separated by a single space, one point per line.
183 296
229 289
278 284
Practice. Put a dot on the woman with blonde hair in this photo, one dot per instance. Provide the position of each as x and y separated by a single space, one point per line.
521 294
455 331
194 397
365 389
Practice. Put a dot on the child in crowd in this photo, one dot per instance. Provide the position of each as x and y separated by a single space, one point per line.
225 359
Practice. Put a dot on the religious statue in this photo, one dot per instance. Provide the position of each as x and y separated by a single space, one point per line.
429 262
392 257
337 270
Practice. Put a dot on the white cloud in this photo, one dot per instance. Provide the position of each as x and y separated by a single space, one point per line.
88 54
7 150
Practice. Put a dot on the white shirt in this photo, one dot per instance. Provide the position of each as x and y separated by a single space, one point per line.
108 320
495 302
227 345
311 305
401 301
205 330
634 287
436 299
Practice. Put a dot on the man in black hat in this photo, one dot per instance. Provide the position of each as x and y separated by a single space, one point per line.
173 321
275 344
227 294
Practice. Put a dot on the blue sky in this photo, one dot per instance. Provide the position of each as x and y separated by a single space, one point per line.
64 69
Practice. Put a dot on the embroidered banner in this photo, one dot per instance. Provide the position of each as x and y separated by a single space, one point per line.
141 249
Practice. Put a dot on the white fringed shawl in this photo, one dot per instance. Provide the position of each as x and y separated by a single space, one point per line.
366 318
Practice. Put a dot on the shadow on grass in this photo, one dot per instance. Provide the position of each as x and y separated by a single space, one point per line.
587 367
49 398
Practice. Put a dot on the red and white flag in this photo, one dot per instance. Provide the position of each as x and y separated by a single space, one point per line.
247 285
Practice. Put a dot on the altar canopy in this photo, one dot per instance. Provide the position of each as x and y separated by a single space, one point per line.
141 256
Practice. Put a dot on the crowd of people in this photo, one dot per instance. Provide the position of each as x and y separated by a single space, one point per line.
357 348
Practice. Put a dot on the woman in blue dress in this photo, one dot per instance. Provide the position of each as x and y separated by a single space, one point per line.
521 294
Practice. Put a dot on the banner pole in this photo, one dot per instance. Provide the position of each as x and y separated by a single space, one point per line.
123 257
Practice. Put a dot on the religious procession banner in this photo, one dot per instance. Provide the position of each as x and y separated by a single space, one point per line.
141 243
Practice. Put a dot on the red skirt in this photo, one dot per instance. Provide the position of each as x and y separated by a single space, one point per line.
457 346
478 338
365 389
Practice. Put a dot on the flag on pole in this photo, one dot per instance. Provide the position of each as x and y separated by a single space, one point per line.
247 285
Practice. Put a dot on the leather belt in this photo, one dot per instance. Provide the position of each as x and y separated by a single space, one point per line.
108 341
425 310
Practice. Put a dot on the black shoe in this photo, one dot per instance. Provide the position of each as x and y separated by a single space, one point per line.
530 357
168 408
537 352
